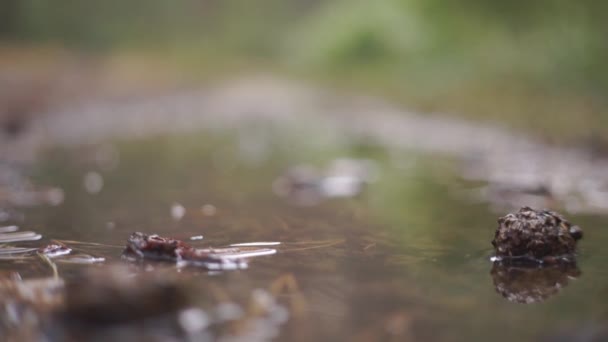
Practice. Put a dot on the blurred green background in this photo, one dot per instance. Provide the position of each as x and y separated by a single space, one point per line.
536 66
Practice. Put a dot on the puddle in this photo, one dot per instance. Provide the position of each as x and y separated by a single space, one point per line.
405 257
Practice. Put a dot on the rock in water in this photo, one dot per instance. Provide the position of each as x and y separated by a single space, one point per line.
535 235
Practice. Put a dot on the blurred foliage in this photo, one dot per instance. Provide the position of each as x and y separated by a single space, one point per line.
520 62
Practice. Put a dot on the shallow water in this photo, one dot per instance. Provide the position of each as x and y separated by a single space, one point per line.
406 259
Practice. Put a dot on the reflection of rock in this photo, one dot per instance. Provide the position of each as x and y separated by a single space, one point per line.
527 285
541 235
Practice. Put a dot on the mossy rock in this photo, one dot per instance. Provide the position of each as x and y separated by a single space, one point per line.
535 235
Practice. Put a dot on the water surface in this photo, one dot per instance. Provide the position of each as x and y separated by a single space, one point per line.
408 258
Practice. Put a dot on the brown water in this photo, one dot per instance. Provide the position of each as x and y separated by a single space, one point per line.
408 259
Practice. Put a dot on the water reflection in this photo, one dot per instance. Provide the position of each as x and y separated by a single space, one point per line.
527 285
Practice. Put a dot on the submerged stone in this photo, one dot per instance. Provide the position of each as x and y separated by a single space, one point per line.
536 235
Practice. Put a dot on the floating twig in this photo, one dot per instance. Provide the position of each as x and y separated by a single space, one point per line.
253 244
49 262
96 244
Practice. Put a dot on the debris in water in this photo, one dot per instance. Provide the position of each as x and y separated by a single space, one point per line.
143 246
93 182
196 237
542 236
55 249
155 247
527 285
177 211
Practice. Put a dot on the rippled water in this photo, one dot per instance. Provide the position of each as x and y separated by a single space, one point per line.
406 259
